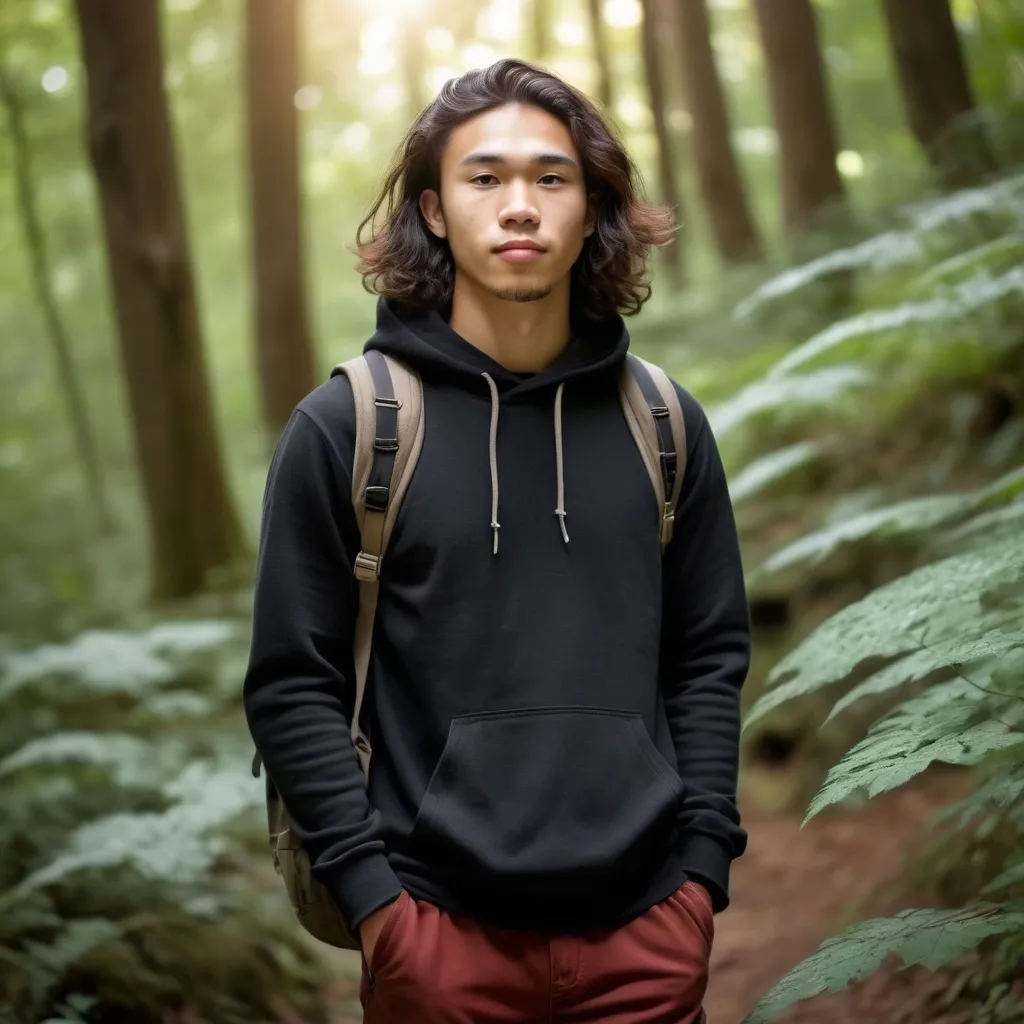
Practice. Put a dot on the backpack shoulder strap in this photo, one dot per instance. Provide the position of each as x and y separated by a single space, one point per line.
655 418
389 435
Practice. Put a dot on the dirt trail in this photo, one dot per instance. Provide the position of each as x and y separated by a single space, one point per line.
789 892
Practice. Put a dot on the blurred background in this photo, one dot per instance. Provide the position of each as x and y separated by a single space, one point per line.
180 187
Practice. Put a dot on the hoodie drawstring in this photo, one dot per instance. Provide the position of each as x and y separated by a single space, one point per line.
493 457
560 509
492 451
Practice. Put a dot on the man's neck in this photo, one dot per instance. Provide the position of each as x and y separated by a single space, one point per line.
524 337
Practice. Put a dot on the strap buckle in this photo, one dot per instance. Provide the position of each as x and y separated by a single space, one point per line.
367 567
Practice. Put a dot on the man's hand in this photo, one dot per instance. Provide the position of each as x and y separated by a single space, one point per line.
370 929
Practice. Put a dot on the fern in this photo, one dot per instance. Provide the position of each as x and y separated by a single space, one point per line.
959 722
795 391
129 760
930 938
179 845
768 470
935 613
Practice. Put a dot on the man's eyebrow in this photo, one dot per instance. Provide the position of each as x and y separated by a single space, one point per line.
547 159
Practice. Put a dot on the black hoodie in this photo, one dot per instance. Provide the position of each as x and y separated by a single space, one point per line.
555 725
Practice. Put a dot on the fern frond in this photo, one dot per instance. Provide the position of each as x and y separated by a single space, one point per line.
179 845
1003 789
990 255
963 300
919 611
879 253
953 723
1010 877
942 654
914 518
130 760
929 938
798 391
769 469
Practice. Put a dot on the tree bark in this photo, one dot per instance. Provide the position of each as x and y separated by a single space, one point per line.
798 94
936 89
668 182
193 524
540 30
285 356
721 185
602 59
35 245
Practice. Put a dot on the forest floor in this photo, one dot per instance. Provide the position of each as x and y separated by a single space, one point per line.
794 888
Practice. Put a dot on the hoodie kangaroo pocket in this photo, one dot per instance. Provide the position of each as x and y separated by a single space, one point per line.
535 793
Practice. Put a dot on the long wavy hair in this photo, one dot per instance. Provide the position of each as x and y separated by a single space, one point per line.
402 260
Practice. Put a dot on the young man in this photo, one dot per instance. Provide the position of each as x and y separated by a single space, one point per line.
550 816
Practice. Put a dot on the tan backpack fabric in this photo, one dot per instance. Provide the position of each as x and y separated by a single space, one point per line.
389 434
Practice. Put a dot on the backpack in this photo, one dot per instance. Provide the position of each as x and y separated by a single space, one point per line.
389 434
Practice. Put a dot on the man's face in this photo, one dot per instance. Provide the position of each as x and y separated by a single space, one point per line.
513 203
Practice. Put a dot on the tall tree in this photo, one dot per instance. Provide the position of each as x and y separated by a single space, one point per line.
602 59
668 181
35 246
725 199
540 29
285 358
936 89
193 523
801 110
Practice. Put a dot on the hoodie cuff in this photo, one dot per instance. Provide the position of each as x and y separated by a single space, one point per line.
707 861
362 887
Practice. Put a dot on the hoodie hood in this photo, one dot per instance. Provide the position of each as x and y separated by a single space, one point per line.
427 343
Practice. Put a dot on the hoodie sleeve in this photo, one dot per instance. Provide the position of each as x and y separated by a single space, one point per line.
706 657
299 685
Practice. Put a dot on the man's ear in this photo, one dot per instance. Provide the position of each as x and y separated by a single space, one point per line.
430 207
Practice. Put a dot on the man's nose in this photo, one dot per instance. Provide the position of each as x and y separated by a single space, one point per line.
519 207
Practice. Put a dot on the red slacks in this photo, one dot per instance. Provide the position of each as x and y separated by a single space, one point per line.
432 967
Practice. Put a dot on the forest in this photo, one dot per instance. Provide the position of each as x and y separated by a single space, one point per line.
180 186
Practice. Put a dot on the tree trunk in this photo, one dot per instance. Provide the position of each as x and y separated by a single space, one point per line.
668 182
798 93
414 63
602 59
540 30
725 199
936 90
285 358
193 524
35 245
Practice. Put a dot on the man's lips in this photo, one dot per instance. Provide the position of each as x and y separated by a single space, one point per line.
519 250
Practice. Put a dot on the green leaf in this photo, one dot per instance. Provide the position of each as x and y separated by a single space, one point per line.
769 469
911 518
930 938
1003 789
1012 875
908 517
942 654
948 598
951 723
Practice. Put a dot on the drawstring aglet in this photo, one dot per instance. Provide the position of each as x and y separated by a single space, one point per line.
560 512
495 527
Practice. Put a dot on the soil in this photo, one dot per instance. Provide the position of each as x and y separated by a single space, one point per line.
796 887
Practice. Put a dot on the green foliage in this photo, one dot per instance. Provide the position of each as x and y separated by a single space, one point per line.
934 654
931 938
113 840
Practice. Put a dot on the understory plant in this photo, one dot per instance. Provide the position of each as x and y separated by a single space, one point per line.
933 654
128 811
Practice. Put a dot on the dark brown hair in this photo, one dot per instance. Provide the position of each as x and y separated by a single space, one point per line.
404 261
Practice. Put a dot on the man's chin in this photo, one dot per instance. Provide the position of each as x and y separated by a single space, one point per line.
522 294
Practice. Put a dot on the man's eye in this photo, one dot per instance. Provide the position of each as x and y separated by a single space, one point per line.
550 179
485 179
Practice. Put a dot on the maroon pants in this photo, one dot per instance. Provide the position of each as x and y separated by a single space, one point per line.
433 967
